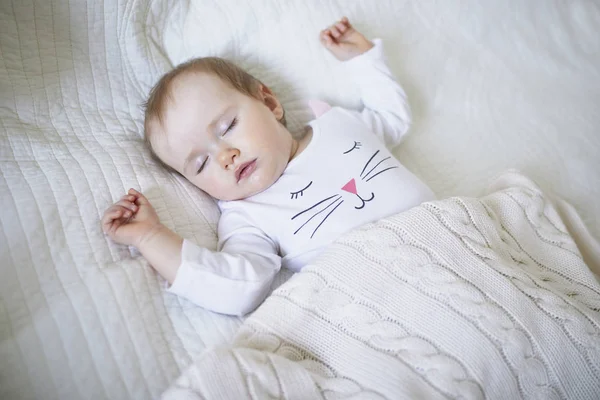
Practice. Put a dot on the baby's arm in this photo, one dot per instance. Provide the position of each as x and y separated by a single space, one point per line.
386 110
234 280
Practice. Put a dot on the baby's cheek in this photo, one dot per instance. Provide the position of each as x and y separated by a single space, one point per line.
256 178
263 176
206 184
200 186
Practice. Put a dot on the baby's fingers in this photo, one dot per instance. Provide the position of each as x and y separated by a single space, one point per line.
341 27
114 215
110 214
129 197
140 199
335 31
326 38
125 213
330 35
128 204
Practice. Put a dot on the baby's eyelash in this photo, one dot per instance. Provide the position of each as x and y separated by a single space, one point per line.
231 126
202 166
300 192
356 146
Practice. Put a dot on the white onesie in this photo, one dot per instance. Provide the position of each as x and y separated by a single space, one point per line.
344 178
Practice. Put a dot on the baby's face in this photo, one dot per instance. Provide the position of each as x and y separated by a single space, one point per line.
226 143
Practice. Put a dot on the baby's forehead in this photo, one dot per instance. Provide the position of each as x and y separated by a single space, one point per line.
199 96
196 99
200 83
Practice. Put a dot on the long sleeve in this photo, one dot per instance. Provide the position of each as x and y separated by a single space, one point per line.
237 278
386 110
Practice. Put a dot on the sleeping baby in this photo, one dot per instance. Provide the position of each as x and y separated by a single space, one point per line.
282 199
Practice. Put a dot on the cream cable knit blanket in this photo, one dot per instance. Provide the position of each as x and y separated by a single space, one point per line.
459 298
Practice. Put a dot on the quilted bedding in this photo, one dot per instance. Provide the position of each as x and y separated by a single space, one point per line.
493 85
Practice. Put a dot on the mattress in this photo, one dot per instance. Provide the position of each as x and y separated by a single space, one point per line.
492 85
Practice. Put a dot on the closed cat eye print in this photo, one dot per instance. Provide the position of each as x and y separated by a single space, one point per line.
356 146
300 192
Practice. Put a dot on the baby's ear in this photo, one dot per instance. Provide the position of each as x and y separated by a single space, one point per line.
271 101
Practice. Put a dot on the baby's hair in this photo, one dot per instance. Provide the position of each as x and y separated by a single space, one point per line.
160 95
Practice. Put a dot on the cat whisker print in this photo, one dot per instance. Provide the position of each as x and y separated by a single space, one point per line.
365 176
336 200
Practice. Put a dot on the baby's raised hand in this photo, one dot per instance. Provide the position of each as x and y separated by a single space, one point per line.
130 219
343 41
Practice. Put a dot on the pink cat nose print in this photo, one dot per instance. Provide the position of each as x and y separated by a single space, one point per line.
350 187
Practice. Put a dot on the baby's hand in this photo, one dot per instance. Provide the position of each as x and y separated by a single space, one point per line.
130 220
343 41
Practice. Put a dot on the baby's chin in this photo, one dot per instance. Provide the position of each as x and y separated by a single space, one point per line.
252 190
241 194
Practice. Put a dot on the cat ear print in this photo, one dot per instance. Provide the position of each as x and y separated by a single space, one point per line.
318 107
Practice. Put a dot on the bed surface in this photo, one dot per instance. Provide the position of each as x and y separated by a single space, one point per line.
494 85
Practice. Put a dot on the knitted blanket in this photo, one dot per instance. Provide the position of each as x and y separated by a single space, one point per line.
476 298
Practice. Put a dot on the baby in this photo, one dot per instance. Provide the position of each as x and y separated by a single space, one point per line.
282 200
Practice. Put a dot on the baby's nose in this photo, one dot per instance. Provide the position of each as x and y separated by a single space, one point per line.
227 157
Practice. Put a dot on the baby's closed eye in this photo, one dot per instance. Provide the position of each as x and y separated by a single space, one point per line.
230 126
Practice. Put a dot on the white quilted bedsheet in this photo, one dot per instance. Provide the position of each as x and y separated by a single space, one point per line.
493 85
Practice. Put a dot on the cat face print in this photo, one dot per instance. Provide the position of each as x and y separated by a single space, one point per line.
370 165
